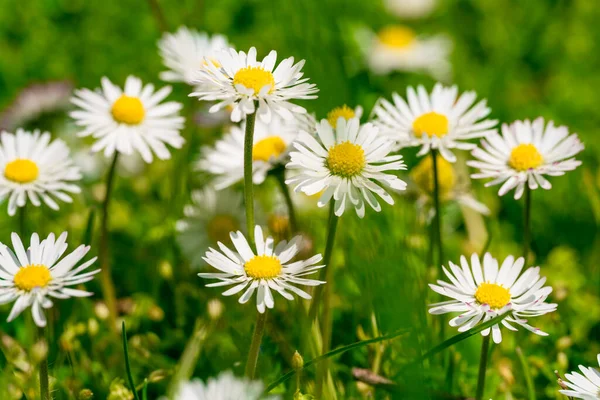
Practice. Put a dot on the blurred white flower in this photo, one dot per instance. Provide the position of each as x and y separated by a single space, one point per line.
410 9
225 387
585 385
344 112
481 294
129 120
524 153
35 170
32 277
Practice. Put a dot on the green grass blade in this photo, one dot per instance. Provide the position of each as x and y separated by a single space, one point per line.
527 374
127 366
89 227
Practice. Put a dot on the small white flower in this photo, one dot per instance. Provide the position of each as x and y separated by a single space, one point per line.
346 165
225 387
410 8
35 170
441 120
482 294
186 51
524 153
209 219
269 269
238 79
32 277
129 119
399 48
343 112
272 143
585 385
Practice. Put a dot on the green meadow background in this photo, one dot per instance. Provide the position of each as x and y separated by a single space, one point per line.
529 59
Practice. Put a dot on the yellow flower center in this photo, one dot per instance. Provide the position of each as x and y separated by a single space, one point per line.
398 37
128 110
346 159
21 170
220 226
254 78
431 124
524 157
343 111
32 276
422 174
272 146
496 296
263 267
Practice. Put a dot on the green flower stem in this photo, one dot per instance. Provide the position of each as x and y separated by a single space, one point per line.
108 286
159 16
248 184
22 223
259 330
279 174
438 209
527 222
44 381
485 349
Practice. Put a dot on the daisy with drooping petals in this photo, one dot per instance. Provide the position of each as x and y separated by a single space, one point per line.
481 294
224 387
440 121
272 143
237 79
209 219
346 165
343 112
584 386
32 277
399 48
186 51
269 269
524 153
35 170
129 120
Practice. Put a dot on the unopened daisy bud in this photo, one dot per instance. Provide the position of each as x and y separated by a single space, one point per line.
563 360
297 361
564 343
85 394
101 310
157 376
165 269
93 327
215 308
39 351
560 382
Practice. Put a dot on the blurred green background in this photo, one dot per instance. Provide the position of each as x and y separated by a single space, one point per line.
529 59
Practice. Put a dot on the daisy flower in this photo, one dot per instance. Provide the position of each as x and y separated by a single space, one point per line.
209 219
524 153
585 385
129 119
236 79
34 276
186 51
35 170
481 294
439 121
344 112
272 143
225 387
412 9
269 269
399 48
346 164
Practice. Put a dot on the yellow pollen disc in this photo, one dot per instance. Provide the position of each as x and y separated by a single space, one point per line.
128 110
254 78
346 159
219 227
398 37
496 296
272 146
21 170
524 157
343 111
431 124
263 267
32 276
422 174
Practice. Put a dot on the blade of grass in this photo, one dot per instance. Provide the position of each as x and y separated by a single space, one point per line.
127 366
527 374
89 227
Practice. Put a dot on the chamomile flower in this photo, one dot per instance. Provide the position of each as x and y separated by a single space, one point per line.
237 79
35 276
343 112
266 270
399 48
412 9
272 143
129 120
209 219
585 385
347 165
36 170
186 51
439 121
524 153
224 387
481 294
